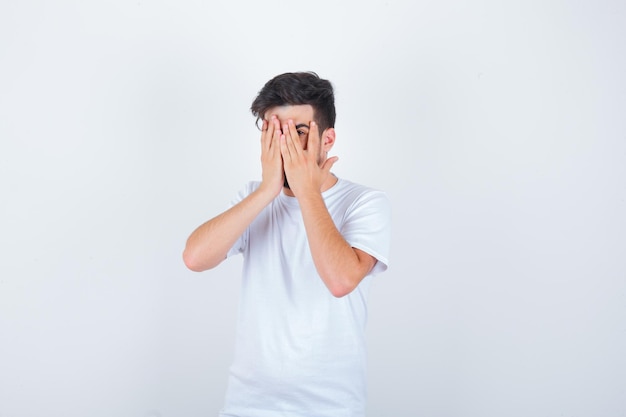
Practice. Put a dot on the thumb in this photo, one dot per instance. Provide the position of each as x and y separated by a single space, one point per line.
328 164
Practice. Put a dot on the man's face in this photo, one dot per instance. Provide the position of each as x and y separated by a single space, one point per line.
302 115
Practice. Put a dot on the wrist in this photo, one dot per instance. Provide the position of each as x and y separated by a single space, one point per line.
267 192
310 197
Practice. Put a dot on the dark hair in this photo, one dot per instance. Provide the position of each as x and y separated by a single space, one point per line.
295 88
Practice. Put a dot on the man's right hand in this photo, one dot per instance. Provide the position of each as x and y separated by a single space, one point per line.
271 158
209 244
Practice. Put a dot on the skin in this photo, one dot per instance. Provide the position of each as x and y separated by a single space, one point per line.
291 146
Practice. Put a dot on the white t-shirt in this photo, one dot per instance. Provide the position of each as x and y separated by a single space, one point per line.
300 351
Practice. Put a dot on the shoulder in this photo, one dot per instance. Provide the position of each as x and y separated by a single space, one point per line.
360 194
352 200
249 187
245 191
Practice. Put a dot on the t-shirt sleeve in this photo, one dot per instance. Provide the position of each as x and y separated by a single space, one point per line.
367 226
242 241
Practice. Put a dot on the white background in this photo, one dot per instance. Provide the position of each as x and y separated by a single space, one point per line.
498 130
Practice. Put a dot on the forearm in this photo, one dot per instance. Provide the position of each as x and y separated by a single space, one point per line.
340 266
209 244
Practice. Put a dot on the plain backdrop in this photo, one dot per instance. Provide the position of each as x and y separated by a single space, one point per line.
497 128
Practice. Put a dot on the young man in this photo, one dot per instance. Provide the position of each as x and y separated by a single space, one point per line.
311 243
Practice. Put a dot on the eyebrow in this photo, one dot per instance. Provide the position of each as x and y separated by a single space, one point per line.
302 125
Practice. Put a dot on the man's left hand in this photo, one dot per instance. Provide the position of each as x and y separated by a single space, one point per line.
305 171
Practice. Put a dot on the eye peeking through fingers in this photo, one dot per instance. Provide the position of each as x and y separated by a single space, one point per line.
302 129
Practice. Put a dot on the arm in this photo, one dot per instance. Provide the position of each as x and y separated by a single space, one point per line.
209 244
340 266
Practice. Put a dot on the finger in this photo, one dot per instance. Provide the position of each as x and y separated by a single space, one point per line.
266 136
275 140
271 132
284 149
263 133
291 142
328 164
313 142
295 138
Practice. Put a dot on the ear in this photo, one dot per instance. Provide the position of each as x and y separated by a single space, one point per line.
328 139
